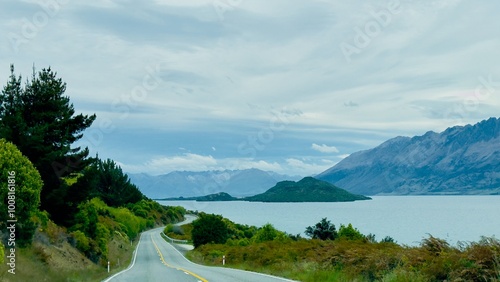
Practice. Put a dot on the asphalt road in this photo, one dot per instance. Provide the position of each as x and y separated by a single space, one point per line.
157 260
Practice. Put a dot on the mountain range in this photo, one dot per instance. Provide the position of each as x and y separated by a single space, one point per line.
238 183
459 160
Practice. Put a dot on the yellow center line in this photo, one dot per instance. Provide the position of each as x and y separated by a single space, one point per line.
178 268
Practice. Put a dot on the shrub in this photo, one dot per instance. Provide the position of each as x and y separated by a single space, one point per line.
209 228
350 233
20 184
266 233
82 242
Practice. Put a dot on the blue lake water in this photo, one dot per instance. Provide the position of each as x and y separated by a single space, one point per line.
407 219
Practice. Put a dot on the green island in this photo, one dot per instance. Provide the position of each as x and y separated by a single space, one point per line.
333 255
308 189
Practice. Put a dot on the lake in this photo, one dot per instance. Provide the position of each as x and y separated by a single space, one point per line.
407 219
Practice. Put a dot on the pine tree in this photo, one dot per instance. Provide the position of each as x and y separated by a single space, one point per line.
42 123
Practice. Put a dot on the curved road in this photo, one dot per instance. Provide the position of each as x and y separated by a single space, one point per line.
157 260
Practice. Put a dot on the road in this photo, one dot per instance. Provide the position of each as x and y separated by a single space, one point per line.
157 260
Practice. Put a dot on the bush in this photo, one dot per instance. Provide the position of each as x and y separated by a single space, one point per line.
82 242
350 233
209 228
20 184
267 233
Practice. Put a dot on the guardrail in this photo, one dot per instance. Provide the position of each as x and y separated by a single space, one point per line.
172 240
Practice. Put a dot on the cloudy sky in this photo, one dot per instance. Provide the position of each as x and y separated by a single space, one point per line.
284 85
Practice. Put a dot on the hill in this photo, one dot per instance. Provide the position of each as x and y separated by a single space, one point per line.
221 196
306 190
459 160
239 183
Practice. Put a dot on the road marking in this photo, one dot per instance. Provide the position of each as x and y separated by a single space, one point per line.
131 265
178 268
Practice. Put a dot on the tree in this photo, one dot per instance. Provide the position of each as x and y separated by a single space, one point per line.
209 228
268 233
323 230
41 122
106 180
102 179
350 233
20 187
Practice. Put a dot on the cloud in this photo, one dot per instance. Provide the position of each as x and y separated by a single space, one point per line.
351 104
224 79
196 162
300 167
324 148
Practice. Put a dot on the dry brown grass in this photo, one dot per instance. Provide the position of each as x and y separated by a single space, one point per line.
433 260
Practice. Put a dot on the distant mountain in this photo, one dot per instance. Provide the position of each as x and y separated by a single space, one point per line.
459 160
239 183
306 190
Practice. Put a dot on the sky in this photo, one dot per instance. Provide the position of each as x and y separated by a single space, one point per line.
285 85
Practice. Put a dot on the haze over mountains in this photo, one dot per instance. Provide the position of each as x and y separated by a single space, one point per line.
460 160
238 183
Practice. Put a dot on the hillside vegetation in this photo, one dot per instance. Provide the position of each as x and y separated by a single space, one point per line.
308 189
340 255
63 214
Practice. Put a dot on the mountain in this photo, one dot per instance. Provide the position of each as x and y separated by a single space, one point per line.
239 183
459 160
306 190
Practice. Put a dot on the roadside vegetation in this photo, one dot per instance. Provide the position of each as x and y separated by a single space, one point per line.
73 213
344 254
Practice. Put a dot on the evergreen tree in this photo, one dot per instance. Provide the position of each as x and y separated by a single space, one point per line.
112 185
102 179
42 123
323 230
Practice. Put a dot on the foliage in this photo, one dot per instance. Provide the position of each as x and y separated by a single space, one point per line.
358 260
2 252
308 189
209 229
387 239
41 122
182 232
112 185
155 213
353 257
96 222
82 241
350 233
323 230
267 233
23 192
103 179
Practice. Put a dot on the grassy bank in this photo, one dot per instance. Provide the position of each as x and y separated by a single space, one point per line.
347 260
60 261
353 258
